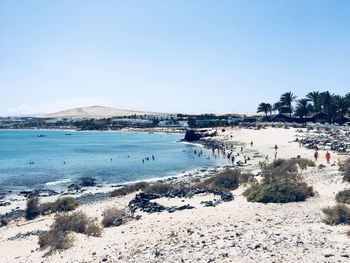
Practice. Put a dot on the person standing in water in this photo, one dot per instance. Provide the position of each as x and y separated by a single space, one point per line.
316 155
328 157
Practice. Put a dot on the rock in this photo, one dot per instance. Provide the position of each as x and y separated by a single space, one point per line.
74 187
87 181
4 203
12 215
38 192
192 135
26 234
208 203
3 222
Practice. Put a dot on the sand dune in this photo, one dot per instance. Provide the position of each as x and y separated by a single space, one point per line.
97 112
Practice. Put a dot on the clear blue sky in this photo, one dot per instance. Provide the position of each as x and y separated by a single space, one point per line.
182 56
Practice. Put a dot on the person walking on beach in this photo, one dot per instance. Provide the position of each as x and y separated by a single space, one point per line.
316 155
275 155
328 157
251 144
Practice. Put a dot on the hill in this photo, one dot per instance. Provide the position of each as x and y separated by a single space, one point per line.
97 112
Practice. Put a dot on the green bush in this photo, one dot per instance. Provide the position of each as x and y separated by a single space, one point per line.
224 181
281 183
278 193
113 217
343 197
63 204
339 214
58 237
32 210
128 189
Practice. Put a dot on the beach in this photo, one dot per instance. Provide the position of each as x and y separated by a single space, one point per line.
234 231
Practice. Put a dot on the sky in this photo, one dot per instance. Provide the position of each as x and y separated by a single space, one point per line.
189 56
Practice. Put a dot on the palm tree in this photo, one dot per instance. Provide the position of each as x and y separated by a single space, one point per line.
286 99
314 97
265 108
328 104
342 105
303 108
277 106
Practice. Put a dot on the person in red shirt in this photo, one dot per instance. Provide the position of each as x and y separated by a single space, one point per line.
328 157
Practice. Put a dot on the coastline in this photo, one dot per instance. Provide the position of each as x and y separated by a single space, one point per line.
237 231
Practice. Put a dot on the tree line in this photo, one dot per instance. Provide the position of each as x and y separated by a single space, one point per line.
335 107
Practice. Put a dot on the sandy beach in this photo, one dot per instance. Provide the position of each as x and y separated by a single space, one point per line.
235 231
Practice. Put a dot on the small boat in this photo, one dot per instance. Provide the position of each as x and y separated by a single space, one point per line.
41 135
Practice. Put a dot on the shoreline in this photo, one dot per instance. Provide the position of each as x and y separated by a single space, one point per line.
237 230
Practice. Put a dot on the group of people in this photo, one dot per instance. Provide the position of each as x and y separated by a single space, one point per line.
328 156
148 158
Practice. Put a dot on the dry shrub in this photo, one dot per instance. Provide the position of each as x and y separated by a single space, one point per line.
339 214
113 217
343 197
32 210
63 204
128 189
59 238
345 168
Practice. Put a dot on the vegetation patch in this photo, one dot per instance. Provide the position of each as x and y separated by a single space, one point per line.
279 193
113 217
59 236
128 189
281 183
345 168
339 214
63 204
32 211
343 197
227 180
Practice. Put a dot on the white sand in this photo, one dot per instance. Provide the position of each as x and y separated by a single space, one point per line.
235 231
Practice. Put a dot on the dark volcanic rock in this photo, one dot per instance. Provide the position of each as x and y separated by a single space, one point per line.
195 135
38 192
87 181
192 135
142 201
26 234
12 215
74 187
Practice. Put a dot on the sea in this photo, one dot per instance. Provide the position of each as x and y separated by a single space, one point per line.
32 159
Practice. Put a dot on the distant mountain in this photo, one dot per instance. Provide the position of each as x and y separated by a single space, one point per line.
97 112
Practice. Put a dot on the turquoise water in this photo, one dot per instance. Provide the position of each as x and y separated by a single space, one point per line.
110 157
